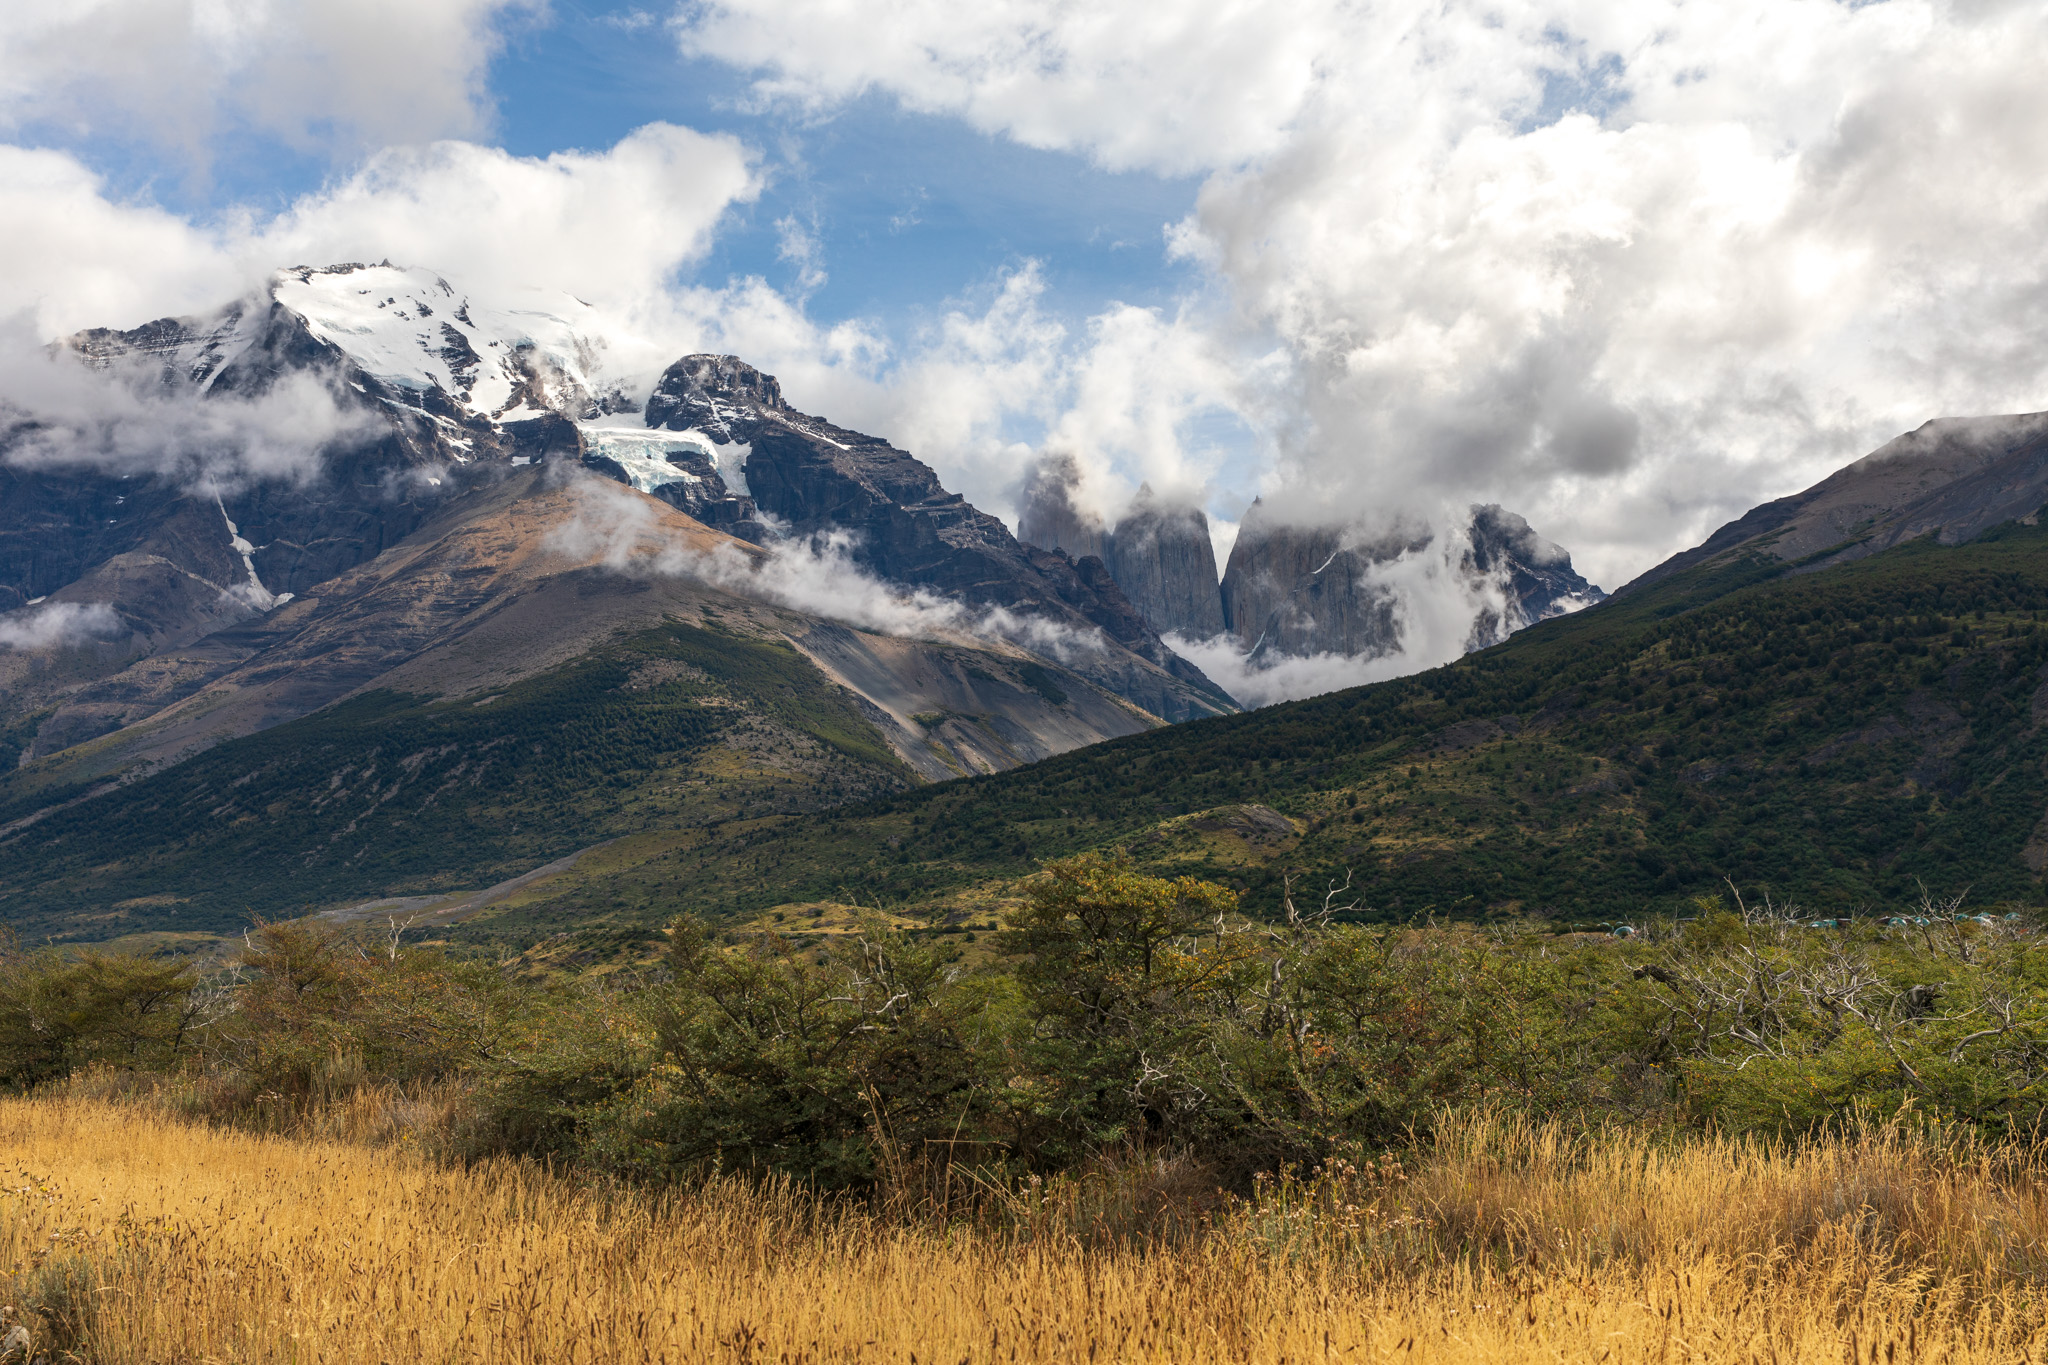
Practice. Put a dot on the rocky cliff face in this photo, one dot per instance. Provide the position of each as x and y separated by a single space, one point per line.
1053 518
816 478
1160 555
1292 591
1299 591
1535 574
1166 563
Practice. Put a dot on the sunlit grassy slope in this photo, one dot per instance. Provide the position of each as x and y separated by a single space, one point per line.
1838 738
135 1239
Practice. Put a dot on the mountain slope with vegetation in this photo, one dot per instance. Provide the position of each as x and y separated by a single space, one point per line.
676 724
1839 738
1839 732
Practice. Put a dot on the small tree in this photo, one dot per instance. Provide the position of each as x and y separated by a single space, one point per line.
314 995
1123 976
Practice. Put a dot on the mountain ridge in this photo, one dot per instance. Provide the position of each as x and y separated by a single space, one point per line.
436 401
1952 478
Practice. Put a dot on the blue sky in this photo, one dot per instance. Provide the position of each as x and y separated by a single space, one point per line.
909 211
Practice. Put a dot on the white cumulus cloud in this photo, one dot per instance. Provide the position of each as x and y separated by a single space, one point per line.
610 226
315 74
1627 269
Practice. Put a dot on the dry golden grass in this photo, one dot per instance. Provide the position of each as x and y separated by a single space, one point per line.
1503 1243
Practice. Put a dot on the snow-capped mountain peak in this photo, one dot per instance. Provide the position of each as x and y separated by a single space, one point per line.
411 329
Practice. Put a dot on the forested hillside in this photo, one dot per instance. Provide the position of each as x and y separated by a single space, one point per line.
1838 738
386 792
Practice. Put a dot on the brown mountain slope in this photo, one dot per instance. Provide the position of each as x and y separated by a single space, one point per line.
1952 478
521 577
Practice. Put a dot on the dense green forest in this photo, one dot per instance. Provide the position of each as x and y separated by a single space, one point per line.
1838 738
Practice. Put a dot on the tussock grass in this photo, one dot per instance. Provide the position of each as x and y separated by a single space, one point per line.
144 1238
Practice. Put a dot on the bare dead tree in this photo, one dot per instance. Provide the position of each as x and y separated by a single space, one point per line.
397 932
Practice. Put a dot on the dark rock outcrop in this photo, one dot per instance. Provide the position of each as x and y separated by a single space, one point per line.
1160 554
1298 591
816 478
1537 574
1166 563
1053 519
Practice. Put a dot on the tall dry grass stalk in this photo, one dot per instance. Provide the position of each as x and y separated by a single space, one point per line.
148 1239
345 1104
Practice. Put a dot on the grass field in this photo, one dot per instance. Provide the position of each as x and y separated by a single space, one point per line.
129 1236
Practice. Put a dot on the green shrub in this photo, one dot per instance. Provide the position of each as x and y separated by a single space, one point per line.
1123 1013
773 1057
59 1014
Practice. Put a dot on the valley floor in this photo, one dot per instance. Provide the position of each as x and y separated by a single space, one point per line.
131 1236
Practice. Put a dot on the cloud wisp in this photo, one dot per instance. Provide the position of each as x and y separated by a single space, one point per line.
58 625
624 531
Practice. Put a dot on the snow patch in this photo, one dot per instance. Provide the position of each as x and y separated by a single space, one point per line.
410 329
253 592
644 454
731 459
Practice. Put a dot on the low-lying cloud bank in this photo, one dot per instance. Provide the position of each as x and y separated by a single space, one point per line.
58 625
59 412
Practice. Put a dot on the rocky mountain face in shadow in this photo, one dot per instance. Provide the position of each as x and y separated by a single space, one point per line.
1300 591
1160 554
1290 591
1294 591
1535 574
1952 478
818 479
